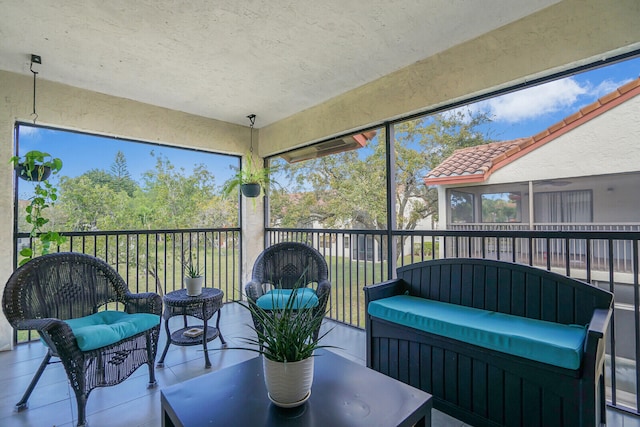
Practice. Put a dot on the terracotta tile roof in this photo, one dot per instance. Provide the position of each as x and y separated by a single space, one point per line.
475 164
473 160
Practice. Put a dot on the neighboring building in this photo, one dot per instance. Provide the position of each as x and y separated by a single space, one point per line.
546 181
583 173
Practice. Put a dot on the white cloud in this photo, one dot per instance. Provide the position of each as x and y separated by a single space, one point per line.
607 86
534 102
559 96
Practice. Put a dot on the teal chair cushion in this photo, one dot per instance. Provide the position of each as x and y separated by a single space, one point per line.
548 342
108 327
278 298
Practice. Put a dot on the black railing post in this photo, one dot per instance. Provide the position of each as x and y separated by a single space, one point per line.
636 313
391 199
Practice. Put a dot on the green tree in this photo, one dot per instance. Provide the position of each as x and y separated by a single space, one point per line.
122 180
91 205
347 190
168 198
340 191
172 199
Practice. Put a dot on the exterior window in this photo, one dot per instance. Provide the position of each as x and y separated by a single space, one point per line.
364 249
461 207
563 206
327 241
346 241
501 207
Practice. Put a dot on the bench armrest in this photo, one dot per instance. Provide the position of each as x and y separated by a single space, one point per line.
594 347
384 290
599 322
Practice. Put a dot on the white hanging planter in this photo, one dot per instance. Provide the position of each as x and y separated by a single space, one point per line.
288 383
194 285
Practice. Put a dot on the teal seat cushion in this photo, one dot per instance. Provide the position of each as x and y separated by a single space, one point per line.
548 342
108 327
278 298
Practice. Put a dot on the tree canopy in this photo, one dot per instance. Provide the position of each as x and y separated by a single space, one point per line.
347 190
167 197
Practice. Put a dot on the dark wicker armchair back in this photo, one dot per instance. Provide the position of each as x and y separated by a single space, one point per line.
63 285
284 263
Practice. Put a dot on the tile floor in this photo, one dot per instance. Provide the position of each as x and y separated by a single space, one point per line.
132 404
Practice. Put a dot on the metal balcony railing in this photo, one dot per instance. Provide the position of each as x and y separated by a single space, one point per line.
605 258
558 250
152 261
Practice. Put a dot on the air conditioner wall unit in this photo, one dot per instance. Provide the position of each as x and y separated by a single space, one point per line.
333 146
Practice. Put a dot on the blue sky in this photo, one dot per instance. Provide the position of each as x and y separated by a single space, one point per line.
527 112
81 152
519 114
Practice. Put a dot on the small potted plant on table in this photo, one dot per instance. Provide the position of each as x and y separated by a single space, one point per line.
193 279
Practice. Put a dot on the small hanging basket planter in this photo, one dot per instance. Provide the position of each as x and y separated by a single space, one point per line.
250 190
39 173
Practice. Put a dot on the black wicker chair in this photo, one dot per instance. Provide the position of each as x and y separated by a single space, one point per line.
52 288
283 265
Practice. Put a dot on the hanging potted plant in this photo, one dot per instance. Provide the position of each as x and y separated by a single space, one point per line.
285 339
251 179
37 166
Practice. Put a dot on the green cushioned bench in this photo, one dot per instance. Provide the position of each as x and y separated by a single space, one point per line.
548 342
496 343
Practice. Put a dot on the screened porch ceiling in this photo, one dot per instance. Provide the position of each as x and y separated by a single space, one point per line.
228 58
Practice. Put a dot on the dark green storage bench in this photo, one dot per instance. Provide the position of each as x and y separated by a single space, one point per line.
496 343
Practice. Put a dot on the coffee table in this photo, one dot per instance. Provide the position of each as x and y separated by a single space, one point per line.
344 393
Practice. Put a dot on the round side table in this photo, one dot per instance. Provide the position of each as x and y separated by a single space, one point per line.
203 307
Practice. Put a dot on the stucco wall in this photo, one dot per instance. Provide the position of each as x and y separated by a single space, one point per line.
569 33
75 109
559 37
607 144
602 155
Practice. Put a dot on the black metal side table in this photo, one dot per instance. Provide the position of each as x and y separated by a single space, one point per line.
203 307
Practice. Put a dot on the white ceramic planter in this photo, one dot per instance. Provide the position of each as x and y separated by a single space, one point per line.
288 384
194 285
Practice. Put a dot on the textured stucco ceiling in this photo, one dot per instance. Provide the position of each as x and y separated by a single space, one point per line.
225 59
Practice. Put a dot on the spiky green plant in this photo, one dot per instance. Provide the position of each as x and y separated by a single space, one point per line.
285 334
190 267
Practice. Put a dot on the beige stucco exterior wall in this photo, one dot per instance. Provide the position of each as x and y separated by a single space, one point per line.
610 141
605 145
569 33
76 109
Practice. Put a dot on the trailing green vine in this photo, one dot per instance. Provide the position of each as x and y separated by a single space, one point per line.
34 166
